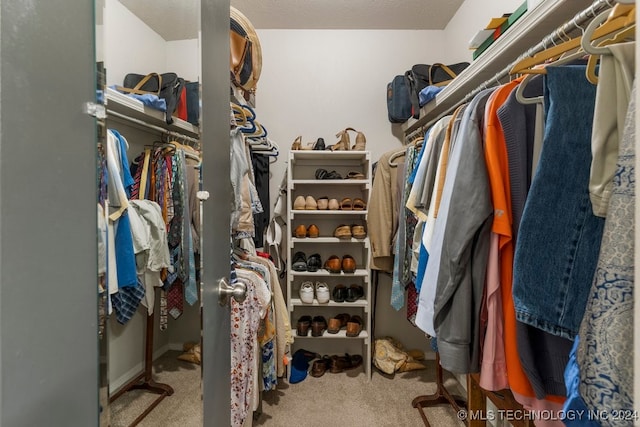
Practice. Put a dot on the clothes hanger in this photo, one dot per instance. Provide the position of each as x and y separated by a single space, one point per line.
396 155
520 92
525 66
624 35
621 22
238 114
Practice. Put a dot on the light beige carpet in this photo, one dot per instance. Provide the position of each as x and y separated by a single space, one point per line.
348 399
345 399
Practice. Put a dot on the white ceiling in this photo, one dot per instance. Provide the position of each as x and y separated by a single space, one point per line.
178 20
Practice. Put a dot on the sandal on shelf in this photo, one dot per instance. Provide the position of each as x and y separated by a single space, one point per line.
358 231
333 175
359 205
346 204
319 144
321 173
342 232
344 143
297 144
333 205
361 141
354 175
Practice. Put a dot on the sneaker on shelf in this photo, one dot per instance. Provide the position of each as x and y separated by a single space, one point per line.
323 295
306 292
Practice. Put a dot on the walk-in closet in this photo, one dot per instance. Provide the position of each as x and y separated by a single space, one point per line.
284 212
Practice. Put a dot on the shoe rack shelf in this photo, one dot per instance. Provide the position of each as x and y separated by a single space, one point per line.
364 335
302 181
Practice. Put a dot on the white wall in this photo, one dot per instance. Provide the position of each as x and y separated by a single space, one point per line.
316 82
131 46
473 15
183 58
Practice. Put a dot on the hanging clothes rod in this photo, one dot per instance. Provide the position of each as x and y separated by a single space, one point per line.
146 125
557 35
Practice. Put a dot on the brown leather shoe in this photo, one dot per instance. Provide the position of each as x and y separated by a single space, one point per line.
301 231
348 264
313 231
332 264
354 326
318 326
304 323
320 366
338 322
334 326
345 363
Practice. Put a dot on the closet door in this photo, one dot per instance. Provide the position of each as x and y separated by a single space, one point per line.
48 283
216 353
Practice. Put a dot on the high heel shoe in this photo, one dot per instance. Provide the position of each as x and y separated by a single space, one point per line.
297 144
344 143
361 142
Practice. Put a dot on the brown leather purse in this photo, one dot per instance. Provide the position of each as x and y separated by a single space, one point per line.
239 47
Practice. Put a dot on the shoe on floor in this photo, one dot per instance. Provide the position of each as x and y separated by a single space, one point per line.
320 366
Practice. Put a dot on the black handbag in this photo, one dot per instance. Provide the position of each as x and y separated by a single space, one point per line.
417 78
440 74
167 86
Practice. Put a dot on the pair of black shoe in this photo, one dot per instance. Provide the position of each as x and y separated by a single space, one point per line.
301 263
351 294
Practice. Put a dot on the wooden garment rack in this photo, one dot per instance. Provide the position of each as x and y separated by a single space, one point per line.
475 403
441 396
145 380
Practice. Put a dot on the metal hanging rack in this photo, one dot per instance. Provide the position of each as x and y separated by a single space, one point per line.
146 126
476 396
556 36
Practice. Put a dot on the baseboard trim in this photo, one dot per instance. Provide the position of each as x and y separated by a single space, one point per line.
116 384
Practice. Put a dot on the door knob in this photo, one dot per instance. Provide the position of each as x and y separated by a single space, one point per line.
238 291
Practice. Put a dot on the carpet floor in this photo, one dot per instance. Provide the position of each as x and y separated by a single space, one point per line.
333 399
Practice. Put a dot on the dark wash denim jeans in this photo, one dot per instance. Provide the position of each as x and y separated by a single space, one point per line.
559 237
